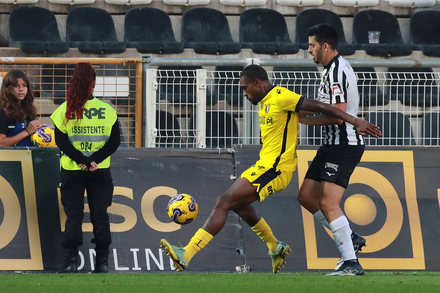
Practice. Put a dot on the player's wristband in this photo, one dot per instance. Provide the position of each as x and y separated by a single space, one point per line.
28 132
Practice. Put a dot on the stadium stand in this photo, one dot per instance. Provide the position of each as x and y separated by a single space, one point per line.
311 17
149 30
355 3
390 42
55 79
92 30
72 2
168 128
301 80
243 2
177 85
221 130
430 128
424 34
18 1
370 94
35 31
413 86
206 30
227 84
300 3
129 2
412 3
186 2
265 32
395 127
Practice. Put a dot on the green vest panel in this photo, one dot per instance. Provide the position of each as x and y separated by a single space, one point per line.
88 134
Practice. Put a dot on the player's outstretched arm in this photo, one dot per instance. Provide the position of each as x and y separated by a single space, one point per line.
362 126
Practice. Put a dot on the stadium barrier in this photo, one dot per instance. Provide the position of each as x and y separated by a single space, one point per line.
118 82
392 200
198 101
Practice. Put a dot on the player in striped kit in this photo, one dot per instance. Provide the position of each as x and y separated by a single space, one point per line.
342 149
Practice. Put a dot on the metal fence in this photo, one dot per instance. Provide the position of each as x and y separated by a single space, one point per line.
118 82
198 103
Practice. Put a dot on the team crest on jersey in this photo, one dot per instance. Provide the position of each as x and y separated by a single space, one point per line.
336 90
278 91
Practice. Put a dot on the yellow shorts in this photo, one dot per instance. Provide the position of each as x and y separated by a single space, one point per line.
267 179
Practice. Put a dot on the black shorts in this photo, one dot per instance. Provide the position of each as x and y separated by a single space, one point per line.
335 163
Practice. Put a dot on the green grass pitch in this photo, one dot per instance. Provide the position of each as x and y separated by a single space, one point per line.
375 282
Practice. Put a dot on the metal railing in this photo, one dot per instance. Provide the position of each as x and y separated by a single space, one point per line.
198 103
118 82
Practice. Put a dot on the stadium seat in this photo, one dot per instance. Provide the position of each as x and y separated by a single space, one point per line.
129 2
186 2
221 130
300 2
92 31
35 31
301 80
72 2
412 3
310 17
395 127
149 30
370 94
355 3
430 129
227 84
265 32
168 130
424 34
413 86
243 2
206 30
391 43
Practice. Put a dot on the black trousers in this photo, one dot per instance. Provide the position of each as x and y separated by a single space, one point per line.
99 187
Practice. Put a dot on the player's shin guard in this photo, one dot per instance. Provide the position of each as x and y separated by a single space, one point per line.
263 230
197 242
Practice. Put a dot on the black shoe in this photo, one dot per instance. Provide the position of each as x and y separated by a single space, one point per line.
358 243
350 267
68 268
101 268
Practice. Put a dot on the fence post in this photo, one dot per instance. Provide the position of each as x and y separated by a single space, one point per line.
201 108
150 108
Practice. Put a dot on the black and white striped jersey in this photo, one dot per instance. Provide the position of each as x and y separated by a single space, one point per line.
339 85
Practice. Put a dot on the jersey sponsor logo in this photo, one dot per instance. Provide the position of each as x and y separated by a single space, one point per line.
331 166
336 90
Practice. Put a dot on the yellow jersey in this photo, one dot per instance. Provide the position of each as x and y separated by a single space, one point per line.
278 114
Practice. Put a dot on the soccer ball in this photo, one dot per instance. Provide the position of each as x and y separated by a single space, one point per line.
183 209
44 136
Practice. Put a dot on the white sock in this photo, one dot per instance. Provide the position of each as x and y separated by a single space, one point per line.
342 235
319 216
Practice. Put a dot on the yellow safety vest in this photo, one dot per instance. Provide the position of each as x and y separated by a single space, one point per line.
88 134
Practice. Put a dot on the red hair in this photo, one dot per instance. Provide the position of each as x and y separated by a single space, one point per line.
80 89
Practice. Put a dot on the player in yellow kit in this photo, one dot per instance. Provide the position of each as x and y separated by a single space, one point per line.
278 114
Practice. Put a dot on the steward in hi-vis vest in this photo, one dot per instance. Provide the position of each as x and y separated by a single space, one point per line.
87 134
